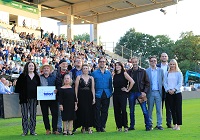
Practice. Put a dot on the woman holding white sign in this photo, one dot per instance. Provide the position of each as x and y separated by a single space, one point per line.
26 86
68 105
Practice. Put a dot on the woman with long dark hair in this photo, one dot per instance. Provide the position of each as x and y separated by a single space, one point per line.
26 86
121 88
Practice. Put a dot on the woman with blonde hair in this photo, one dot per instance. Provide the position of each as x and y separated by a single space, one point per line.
68 105
172 83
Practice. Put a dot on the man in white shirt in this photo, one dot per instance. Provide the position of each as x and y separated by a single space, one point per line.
164 65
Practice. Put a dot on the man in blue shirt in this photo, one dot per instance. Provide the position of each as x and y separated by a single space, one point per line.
103 92
3 90
154 95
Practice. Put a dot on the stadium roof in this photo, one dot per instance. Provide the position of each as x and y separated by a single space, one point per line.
85 11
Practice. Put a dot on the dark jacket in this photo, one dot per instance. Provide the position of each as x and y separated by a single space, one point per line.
159 66
142 80
59 78
21 87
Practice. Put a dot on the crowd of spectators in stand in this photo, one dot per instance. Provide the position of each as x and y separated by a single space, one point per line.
49 49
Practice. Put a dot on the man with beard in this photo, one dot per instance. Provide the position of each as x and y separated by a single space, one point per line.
48 79
138 92
164 65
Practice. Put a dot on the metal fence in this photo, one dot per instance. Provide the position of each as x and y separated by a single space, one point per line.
124 52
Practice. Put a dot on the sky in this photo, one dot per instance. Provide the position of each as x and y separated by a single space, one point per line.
179 18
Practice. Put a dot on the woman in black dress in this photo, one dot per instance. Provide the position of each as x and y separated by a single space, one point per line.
26 86
68 105
84 88
121 88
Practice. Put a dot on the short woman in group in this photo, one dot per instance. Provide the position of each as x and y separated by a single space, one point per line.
26 86
122 84
172 82
84 88
68 105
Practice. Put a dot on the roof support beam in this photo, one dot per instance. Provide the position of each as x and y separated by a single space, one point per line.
127 12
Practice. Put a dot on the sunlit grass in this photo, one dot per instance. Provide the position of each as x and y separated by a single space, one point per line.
11 128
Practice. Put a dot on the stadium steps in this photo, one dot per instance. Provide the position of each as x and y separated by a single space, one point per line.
116 56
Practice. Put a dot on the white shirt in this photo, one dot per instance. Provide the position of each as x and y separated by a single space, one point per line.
164 67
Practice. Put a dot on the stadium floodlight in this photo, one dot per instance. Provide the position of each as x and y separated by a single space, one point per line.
163 11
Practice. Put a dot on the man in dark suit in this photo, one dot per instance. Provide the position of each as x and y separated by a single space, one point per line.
164 65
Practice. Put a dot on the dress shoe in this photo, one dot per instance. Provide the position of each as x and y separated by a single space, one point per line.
34 134
131 128
56 133
98 130
48 132
119 129
60 130
74 130
149 128
169 126
103 130
159 127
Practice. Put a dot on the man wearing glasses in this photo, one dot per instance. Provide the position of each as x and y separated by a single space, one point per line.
154 95
103 92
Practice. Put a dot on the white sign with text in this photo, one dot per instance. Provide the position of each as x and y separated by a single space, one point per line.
46 93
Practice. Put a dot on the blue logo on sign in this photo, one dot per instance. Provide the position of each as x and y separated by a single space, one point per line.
48 93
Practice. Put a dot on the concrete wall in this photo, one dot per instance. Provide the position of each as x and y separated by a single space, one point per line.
12 108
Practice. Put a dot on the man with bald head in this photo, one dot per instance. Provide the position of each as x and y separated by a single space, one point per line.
164 66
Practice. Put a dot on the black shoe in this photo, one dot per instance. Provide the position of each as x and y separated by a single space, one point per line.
60 130
159 127
68 133
34 134
103 130
169 126
131 128
74 130
149 128
98 130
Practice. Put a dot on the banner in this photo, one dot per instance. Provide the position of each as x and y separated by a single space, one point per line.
21 6
46 93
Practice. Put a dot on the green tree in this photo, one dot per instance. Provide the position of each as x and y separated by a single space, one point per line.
187 51
143 45
84 36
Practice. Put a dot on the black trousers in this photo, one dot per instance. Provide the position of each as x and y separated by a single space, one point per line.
101 112
167 107
175 102
119 103
53 105
29 108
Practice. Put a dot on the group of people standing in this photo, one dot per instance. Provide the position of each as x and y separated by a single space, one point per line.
83 98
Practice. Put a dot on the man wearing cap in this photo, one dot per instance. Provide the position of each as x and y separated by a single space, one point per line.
62 70
48 79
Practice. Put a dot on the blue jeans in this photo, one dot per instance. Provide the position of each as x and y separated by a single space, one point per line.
59 125
132 99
